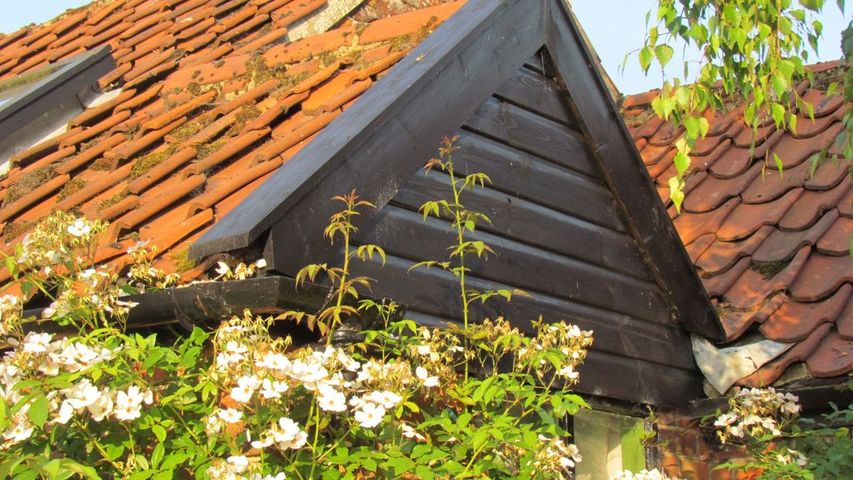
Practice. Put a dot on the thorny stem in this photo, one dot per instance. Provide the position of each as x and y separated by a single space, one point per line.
342 283
460 239
316 413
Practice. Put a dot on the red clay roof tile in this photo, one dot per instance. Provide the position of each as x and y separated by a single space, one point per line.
782 244
836 241
761 281
794 321
812 205
833 357
798 353
714 191
747 218
721 255
821 276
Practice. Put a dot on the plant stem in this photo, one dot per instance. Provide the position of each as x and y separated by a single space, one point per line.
460 239
342 282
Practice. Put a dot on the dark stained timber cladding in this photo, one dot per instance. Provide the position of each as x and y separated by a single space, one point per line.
426 291
532 133
533 91
533 224
531 268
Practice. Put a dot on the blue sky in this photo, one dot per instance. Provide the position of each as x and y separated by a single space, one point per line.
615 28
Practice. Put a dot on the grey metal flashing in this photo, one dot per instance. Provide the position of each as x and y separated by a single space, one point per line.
43 105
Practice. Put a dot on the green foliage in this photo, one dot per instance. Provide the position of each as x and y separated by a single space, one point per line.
402 401
752 50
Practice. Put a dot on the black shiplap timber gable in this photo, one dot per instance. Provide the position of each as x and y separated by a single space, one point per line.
577 221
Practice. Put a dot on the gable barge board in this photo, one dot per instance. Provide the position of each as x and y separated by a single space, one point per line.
534 134
403 118
556 231
614 149
424 290
526 267
535 179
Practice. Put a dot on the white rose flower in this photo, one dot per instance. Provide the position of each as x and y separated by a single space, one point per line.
229 415
36 342
66 411
288 435
102 407
331 400
427 379
238 463
369 414
79 228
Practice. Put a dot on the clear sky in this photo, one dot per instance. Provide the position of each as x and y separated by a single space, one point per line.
615 28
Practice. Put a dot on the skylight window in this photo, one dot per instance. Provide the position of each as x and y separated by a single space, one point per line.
38 104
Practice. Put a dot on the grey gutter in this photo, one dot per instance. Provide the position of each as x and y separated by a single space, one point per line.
206 304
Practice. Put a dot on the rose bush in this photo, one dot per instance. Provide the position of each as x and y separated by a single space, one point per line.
80 396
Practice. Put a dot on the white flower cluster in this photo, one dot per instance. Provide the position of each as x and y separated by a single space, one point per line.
756 412
790 456
39 355
256 371
556 455
123 405
241 271
238 467
653 474
11 309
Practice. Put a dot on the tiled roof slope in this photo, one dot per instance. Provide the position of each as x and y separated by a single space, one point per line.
771 248
215 95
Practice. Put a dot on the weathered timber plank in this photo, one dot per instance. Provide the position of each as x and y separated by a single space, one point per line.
532 224
621 165
388 134
532 178
537 93
531 133
435 292
404 232
637 381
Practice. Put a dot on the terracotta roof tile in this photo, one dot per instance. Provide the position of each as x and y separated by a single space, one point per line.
736 160
793 151
782 244
836 241
821 276
812 205
717 285
845 321
747 218
833 357
721 255
690 227
794 321
768 373
772 183
737 321
715 191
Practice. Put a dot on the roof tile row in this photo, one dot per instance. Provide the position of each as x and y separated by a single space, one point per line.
771 248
